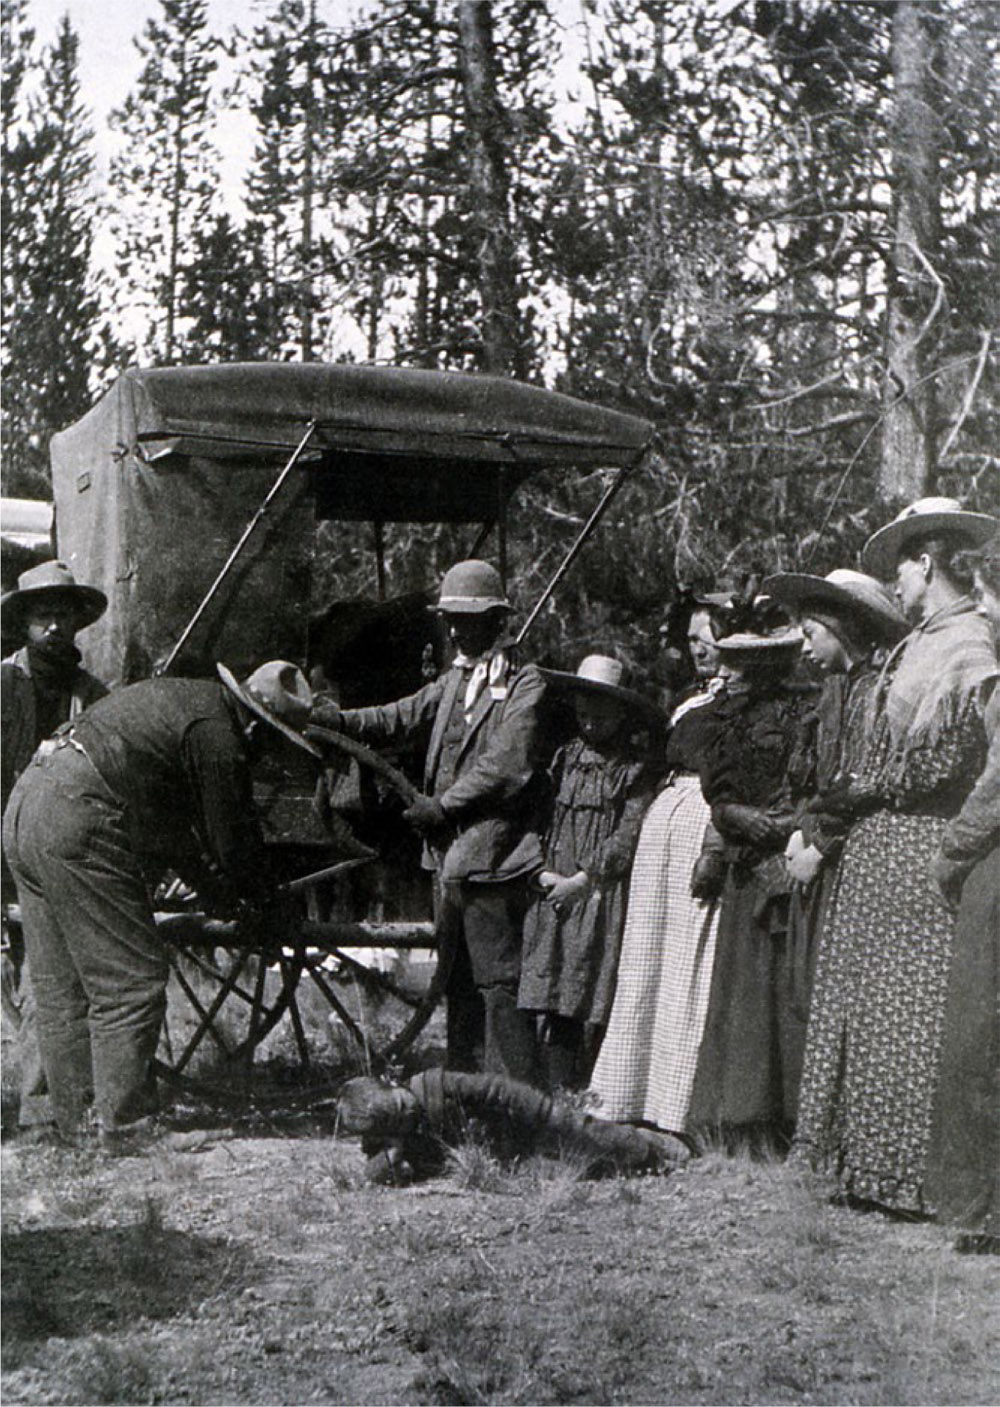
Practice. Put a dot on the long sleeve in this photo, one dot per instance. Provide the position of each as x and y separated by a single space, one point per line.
394 723
227 817
614 857
976 828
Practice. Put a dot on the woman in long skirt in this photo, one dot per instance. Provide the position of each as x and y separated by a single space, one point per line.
873 1048
848 620
742 1070
646 1063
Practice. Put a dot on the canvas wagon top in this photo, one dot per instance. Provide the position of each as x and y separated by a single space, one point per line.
154 486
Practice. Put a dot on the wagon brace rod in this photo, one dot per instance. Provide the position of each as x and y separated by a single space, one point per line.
610 493
309 881
275 489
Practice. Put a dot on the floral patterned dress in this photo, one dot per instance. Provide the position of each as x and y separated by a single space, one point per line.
873 1049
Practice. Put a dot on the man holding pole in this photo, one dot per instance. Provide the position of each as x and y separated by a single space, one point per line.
482 722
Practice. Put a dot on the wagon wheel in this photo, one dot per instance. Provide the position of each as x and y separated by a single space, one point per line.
379 1014
226 994
375 1016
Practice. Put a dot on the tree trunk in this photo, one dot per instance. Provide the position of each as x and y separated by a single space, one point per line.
908 443
308 193
489 188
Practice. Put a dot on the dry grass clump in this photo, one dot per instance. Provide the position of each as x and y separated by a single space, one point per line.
478 1352
473 1167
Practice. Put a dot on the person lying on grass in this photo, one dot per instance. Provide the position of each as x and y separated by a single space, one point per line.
407 1130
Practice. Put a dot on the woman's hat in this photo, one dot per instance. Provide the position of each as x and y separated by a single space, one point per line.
469 588
47 582
925 518
841 591
603 675
759 642
279 693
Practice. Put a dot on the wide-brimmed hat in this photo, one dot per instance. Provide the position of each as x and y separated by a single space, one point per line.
843 592
786 638
47 582
925 518
469 588
279 693
603 675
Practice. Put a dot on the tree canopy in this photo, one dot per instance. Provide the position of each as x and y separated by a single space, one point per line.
770 226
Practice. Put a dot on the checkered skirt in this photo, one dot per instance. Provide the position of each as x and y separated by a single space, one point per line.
646 1066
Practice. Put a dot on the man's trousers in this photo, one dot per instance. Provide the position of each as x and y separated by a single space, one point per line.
98 969
479 935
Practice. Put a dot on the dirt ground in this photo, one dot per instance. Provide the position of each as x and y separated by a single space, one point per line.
263 1270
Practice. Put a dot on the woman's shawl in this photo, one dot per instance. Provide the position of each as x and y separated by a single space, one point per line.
929 739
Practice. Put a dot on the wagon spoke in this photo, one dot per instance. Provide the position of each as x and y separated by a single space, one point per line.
289 980
209 1015
205 1027
359 1035
215 974
375 978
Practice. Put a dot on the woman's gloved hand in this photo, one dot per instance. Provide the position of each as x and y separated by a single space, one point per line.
708 876
746 823
802 861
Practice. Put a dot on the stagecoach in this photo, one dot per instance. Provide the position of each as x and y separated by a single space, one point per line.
194 497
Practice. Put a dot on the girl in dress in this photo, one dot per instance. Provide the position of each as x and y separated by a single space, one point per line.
602 783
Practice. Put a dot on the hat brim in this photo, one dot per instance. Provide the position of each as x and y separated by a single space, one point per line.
801 590
880 553
248 701
468 606
89 603
760 644
629 698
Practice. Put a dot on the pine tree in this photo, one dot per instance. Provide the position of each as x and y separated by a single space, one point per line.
292 56
50 328
165 179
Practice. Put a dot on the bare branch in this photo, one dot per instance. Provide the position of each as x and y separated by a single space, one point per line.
969 397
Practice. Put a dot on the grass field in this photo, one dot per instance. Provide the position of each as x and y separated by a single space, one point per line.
263 1270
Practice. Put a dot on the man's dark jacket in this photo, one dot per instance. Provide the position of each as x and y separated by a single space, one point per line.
491 802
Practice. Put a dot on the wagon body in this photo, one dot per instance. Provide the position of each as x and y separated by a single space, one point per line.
154 490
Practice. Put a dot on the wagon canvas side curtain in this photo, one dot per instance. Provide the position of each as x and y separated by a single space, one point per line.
152 537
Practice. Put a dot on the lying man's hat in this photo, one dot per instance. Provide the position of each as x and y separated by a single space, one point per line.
48 582
844 592
604 676
469 588
278 693
926 518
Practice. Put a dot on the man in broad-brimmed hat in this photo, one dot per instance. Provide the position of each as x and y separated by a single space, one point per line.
156 776
481 722
42 685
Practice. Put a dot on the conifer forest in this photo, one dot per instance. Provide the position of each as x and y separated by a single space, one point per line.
770 226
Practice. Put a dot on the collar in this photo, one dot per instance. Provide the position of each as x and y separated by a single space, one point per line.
943 616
